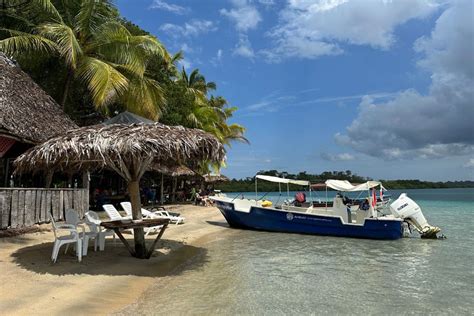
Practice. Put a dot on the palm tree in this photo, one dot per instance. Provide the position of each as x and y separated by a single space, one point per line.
196 84
97 49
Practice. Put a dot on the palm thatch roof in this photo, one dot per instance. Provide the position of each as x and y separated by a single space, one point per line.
127 149
127 118
211 178
177 171
28 114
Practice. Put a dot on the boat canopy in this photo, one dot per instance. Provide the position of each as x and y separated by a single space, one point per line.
282 180
346 186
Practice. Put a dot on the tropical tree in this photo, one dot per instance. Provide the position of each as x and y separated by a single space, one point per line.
96 48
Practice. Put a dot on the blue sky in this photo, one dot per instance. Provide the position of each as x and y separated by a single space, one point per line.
383 88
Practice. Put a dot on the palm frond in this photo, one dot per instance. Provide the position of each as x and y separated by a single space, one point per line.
144 96
67 43
21 43
91 15
46 6
104 81
177 57
151 45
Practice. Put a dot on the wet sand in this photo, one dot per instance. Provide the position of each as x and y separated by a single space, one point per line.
104 282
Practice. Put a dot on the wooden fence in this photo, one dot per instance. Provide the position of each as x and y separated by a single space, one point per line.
21 207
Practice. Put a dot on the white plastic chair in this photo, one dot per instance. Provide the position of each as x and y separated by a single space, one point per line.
72 218
92 220
73 237
127 207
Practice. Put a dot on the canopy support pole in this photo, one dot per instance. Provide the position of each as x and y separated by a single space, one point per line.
326 197
256 189
86 180
162 197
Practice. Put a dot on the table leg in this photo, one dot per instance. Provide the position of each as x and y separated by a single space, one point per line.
152 247
125 242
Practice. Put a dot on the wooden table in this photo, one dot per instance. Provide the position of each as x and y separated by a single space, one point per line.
120 225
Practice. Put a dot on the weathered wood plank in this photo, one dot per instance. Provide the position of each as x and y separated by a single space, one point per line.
32 207
86 200
67 201
43 215
77 204
21 208
7 209
14 209
55 205
29 210
38 206
2 202
48 205
61 202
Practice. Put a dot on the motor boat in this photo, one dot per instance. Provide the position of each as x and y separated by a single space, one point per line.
365 216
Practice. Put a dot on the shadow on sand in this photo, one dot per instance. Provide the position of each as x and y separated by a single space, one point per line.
170 258
220 224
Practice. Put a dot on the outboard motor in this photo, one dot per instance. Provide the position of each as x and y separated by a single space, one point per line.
406 209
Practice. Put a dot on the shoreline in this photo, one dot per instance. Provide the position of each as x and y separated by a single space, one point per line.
104 282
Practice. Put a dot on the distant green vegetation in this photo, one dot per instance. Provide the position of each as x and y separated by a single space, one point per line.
248 184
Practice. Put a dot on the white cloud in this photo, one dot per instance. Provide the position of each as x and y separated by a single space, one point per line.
218 58
438 124
185 63
244 48
267 3
162 5
244 15
191 28
469 163
275 102
309 29
337 157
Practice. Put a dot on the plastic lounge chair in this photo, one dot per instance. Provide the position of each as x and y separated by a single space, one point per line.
92 220
72 218
73 237
161 213
127 207
113 214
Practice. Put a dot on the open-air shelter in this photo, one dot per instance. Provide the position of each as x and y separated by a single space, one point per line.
129 150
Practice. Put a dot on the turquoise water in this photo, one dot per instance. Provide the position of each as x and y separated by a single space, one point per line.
259 273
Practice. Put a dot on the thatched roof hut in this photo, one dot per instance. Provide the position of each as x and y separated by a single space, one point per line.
212 178
28 114
129 150
177 171
112 146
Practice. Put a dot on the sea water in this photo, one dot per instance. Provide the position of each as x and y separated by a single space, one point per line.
260 273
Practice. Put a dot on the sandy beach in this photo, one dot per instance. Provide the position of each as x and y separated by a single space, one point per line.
104 282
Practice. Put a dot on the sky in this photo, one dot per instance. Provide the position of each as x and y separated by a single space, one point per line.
384 88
